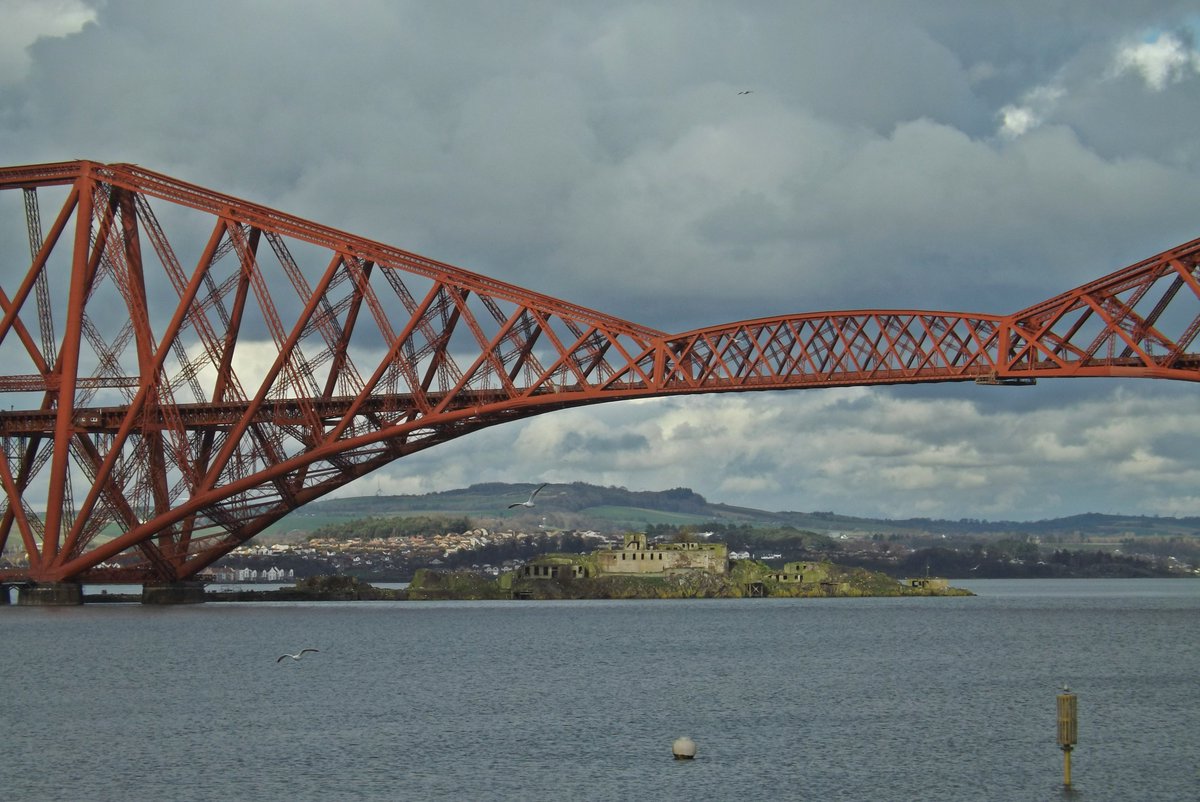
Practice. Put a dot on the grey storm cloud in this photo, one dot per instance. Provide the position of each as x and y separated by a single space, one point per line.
914 154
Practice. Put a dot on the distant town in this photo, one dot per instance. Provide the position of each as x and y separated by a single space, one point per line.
397 558
390 538
492 552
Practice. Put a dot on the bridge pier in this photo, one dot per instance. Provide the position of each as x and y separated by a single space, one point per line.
186 592
50 594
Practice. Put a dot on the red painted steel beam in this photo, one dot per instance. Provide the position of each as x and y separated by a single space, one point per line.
204 404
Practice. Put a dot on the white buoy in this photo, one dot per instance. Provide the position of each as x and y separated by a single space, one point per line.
683 748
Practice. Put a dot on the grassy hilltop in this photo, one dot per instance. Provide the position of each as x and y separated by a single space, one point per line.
578 505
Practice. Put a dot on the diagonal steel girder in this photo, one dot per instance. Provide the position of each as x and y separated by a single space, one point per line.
209 365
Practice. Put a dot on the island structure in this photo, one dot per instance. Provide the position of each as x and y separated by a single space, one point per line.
636 569
639 569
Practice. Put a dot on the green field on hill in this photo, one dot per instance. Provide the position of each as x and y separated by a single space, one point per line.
638 516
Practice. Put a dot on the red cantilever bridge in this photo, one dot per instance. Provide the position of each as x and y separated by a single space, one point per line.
183 368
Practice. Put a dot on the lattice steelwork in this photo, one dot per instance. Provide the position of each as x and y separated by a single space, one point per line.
183 368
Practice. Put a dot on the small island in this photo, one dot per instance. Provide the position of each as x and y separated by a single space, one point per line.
638 569
681 570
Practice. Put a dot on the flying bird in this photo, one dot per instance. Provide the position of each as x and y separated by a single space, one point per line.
297 656
529 501
746 92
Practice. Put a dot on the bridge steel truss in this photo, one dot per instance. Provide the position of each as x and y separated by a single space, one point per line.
177 381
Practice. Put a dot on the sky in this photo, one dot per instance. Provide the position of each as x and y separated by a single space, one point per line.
928 154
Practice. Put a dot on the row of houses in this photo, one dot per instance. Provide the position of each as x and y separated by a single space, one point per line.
272 574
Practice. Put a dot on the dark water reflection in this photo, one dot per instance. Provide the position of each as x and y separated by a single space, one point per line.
844 699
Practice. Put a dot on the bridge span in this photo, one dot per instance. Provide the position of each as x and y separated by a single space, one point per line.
183 368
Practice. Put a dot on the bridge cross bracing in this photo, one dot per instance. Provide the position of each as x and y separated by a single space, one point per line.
183 368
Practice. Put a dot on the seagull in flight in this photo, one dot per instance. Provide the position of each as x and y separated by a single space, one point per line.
529 501
746 92
297 656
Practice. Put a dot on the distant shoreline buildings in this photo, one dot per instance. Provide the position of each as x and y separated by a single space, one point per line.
247 575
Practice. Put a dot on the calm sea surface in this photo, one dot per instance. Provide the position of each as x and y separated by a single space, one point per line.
829 699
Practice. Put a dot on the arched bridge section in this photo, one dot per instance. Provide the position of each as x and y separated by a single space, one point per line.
182 368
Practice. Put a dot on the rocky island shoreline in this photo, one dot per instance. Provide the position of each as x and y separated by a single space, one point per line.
754 580
557 577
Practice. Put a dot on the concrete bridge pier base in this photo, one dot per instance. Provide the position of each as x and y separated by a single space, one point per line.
187 592
50 594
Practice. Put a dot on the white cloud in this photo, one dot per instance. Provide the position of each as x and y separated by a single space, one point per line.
27 21
1034 107
859 451
1016 120
1165 60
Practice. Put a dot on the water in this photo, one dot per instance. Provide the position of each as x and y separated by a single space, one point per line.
831 699
218 587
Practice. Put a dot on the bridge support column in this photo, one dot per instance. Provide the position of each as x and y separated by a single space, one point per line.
187 592
50 594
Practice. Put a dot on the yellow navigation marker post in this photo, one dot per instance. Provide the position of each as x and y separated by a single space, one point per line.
1068 730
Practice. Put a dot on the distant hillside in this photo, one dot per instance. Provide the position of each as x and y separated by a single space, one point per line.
580 505
494 497
1092 525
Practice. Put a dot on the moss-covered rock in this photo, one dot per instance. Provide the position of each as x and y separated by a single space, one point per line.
745 578
428 584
